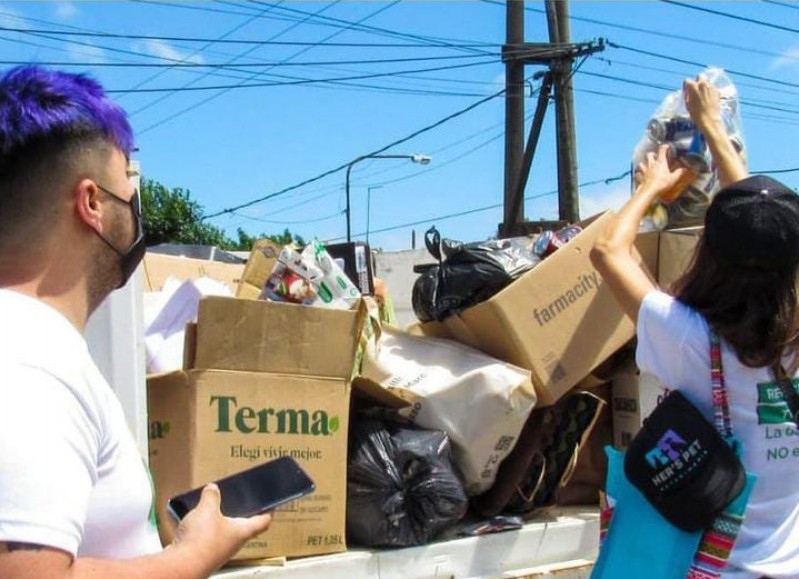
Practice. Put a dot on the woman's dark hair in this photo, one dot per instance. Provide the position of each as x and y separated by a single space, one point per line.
752 309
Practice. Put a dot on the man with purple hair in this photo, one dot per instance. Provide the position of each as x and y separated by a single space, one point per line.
75 497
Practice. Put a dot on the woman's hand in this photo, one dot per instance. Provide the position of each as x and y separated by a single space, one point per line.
657 176
703 102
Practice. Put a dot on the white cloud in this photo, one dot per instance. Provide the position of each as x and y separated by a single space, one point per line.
66 10
165 50
85 53
612 198
788 59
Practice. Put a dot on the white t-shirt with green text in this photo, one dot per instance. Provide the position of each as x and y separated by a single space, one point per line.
674 346
71 476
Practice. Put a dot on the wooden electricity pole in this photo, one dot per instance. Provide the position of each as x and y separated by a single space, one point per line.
556 82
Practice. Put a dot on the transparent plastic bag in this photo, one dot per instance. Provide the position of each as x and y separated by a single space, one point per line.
671 124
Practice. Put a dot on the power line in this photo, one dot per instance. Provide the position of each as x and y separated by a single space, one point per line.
728 15
377 30
784 4
245 65
683 74
280 222
303 50
481 209
202 48
606 181
34 31
703 65
658 33
375 152
231 60
670 89
298 82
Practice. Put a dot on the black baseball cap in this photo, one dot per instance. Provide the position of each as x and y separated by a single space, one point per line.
754 223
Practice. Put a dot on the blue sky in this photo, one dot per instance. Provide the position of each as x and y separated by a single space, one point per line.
230 146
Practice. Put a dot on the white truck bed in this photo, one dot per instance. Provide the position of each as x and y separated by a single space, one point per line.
563 547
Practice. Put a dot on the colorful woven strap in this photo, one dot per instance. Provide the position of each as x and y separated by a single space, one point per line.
721 403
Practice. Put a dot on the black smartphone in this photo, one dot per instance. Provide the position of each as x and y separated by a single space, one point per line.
253 491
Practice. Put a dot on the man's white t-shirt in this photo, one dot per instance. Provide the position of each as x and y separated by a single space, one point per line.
71 476
674 346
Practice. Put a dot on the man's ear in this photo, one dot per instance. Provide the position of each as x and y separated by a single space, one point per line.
87 204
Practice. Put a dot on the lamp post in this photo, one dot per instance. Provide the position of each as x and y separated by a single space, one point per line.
416 158
369 206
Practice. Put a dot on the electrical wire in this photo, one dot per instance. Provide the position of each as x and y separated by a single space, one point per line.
201 49
702 65
382 31
405 139
230 61
481 209
297 82
669 35
246 65
34 31
728 15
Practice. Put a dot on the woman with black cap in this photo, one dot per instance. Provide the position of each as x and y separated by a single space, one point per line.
742 286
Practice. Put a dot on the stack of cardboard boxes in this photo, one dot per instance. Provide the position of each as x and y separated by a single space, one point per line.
265 379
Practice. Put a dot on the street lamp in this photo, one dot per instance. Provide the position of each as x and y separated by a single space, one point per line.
369 206
416 158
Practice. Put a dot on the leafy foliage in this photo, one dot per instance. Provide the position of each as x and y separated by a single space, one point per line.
172 216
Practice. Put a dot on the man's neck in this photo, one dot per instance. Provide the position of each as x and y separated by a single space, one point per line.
71 302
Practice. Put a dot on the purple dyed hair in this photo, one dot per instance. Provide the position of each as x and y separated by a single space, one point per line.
36 102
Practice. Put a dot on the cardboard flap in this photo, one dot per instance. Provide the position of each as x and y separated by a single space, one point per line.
263 336
375 392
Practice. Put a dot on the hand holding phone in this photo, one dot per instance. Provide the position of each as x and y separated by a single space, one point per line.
253 491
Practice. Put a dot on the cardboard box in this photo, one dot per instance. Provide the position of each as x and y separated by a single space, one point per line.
559 320
206 424
634 396
263 336
676 250
259 267
261 380
159 267
355 258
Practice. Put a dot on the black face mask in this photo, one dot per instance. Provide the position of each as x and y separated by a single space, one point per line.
129 260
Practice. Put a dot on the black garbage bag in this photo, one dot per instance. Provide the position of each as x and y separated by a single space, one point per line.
402 489
466 274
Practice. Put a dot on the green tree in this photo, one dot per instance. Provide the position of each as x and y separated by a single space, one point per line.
246 241
172 216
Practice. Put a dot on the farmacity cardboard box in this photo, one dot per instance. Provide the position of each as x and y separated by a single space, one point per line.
559 320
267 380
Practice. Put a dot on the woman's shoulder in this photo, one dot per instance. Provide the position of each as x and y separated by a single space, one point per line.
666 317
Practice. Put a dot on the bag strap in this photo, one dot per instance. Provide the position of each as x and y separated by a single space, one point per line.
721 402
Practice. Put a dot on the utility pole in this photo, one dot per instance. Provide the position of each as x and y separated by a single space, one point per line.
514 111
559 33
558 57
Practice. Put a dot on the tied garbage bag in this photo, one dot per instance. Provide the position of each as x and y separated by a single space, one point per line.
402 489
670 124
467 273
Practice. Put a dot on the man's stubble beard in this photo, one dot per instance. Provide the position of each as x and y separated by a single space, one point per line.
106 272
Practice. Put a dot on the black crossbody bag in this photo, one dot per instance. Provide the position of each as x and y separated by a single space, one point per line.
687 467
